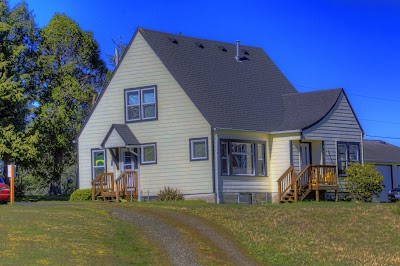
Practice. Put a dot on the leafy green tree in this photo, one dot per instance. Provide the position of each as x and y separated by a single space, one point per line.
18 39
363 182
70 71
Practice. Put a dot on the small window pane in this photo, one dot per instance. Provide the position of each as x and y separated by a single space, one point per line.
133 97
199 149
98 158
353 153
242 164
149 154
224 150
133 112
98 171
149 111
224 167
342 152
148 96
261 159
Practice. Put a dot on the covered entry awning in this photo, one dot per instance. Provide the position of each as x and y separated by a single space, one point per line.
119 135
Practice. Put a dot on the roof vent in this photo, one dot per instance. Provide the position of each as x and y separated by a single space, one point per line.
200 45
173 40
223 49
237 57
245 52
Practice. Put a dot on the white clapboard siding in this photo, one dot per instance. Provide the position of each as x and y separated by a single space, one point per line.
178 121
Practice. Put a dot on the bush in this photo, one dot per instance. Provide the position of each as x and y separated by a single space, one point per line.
81 194
363 182
169 194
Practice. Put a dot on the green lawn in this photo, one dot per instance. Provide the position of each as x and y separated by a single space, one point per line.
277 234
325 233
70 235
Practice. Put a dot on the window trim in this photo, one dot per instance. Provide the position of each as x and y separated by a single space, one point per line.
142 162
255 157
347 143
92 151
141 104
191 149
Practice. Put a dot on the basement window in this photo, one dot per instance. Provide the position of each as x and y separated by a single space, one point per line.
140 104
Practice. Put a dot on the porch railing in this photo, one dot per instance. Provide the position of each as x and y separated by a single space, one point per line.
102 182
127 183
311 177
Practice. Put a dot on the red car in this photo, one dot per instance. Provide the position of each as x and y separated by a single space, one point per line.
4 191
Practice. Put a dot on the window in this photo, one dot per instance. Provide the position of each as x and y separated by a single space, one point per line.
140 104
149 154
242 158
98 163
198 149
347 152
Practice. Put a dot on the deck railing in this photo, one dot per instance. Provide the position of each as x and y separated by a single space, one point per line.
102 182
285 182
127 183
311 177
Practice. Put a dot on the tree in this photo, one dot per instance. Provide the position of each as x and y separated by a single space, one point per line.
363 182
18 39
70 71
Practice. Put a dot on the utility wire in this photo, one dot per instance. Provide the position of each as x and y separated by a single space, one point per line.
358 95
381 137
379 121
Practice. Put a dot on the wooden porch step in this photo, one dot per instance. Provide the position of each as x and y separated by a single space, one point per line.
108 196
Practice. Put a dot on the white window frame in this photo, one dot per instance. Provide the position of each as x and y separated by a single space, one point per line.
251 153
127 106
142 153
92 162
191 148
254 155
140 104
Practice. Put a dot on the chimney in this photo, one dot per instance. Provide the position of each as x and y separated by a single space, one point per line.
237 57
116 57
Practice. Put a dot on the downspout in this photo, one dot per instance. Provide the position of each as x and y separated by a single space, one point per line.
216 166
139 182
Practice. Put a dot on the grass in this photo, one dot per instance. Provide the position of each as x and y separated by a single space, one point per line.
70 235
277 234
310 233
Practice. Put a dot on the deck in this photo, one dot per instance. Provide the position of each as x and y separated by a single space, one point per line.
312 179
125 186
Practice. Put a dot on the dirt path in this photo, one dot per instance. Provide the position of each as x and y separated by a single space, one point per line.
187 240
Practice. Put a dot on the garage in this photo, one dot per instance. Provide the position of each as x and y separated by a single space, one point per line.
386 171
386 158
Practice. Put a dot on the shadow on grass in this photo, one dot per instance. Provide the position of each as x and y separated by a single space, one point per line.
42 198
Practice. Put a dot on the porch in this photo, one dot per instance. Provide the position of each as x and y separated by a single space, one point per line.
125 186
311 181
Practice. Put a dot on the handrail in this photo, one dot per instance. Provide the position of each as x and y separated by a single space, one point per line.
285 182
104 181
125 182
310 176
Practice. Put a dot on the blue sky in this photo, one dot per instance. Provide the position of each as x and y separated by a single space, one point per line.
351 44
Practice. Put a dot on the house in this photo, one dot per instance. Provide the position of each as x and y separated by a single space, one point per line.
386 158
212 119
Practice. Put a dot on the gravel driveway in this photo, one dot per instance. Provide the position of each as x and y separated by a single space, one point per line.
164 228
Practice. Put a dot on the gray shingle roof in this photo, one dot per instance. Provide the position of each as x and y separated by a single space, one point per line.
305 109
126 134
380 151
251 95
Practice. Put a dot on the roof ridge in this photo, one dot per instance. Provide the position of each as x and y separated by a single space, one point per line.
143 30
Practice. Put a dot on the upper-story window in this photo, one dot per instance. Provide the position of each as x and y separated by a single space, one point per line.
140 104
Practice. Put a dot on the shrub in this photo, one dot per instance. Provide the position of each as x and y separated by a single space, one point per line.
169 194
363 182
81 194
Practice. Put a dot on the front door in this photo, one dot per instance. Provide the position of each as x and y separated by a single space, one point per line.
128 162
305 154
